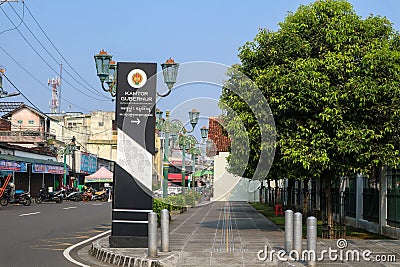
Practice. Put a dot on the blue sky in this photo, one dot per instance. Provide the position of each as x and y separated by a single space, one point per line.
135 31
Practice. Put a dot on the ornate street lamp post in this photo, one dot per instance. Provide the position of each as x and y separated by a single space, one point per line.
164 125
132 197
183 139
67 150
194 151
204 137
107 72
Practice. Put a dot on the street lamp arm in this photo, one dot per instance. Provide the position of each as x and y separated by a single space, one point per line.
177 123
164 95
110 89
193 140
191 131
181 126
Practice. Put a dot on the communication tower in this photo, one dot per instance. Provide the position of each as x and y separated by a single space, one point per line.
54 102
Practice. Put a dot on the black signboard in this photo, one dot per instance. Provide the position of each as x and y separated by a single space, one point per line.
135 115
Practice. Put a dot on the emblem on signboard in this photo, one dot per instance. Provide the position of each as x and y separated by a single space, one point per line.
137 78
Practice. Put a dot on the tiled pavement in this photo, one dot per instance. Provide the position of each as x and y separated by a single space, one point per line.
235 234
223 234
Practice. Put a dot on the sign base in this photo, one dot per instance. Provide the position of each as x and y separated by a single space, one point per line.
128 242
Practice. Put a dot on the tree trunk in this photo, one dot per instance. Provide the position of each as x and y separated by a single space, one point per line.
261 192
328 203
276 192
290 191
306 196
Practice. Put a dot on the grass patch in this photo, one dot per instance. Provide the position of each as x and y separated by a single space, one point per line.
351 232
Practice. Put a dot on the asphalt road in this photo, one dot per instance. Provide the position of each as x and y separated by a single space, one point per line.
38 234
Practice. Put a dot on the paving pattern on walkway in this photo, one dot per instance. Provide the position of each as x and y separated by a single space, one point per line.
223 234
234 234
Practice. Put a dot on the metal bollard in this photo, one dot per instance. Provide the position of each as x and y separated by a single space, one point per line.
312 238
152 241
165 230
298 232
288 230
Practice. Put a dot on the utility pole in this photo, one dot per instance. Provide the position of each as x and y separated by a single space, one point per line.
4 93
59 89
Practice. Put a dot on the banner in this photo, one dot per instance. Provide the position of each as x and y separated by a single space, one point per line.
6 165
44 168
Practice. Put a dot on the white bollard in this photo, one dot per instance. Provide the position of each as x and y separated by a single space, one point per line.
298 232
152 236
165 230
109 195
288 230
312 238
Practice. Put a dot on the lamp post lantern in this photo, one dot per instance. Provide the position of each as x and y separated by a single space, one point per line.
170 72
204 132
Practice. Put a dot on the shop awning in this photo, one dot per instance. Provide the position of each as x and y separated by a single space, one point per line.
101 176
202 172
176 177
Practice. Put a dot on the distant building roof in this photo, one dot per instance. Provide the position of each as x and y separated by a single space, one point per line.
7 107
218 135
30 160
36 150
34 110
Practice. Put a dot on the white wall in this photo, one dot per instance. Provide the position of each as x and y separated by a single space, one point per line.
228 187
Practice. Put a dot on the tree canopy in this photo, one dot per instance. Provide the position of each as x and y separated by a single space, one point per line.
332 81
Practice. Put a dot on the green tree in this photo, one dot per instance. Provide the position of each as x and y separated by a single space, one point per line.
332 81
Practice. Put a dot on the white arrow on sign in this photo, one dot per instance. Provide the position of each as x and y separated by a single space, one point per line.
136 121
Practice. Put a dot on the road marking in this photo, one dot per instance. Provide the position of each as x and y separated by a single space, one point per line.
97 204
68 250
69 208
27 214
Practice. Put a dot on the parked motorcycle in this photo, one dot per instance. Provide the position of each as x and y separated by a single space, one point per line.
92 195
100 195
44 196
20 197
74 196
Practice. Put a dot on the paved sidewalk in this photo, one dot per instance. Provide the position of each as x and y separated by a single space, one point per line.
233 234
224 234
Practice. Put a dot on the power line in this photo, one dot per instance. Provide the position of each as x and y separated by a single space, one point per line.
66 61
37 53
37 80
45 115
41 44
22 19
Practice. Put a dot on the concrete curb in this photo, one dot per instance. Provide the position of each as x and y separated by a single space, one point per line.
130 257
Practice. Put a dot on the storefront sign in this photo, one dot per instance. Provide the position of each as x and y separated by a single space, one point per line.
6 165
88 163
44 168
